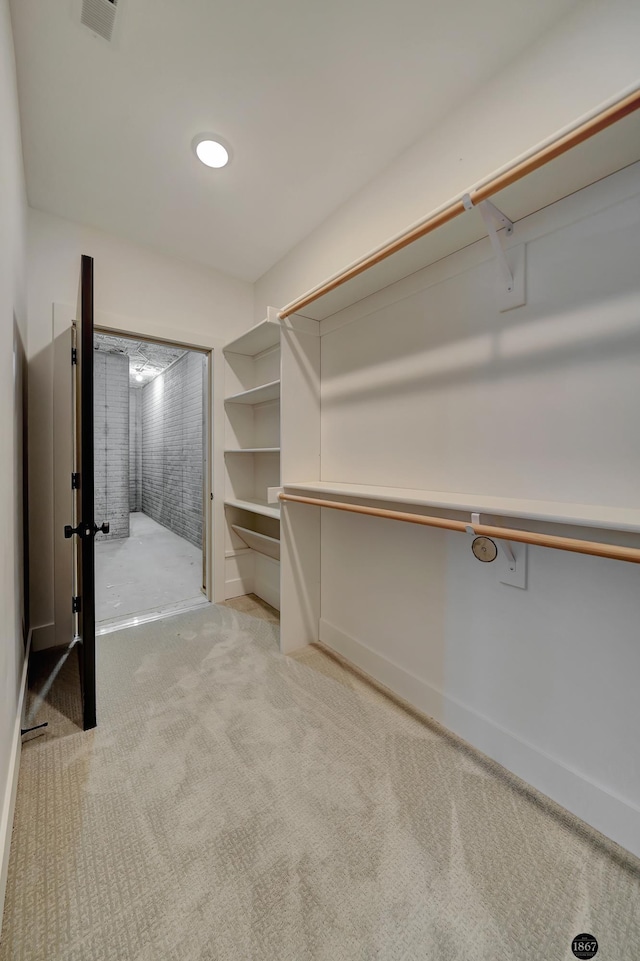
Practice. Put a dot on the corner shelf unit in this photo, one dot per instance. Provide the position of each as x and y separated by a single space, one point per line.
252 429
272 431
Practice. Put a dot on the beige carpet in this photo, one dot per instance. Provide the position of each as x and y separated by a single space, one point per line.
235 805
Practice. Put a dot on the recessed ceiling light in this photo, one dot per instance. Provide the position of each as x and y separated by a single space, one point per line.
210 152
139 377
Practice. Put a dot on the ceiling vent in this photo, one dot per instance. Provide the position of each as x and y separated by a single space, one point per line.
99 16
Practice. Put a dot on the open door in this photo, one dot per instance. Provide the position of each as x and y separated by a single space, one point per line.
83 529
85 596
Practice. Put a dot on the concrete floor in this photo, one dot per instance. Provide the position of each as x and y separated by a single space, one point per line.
153 570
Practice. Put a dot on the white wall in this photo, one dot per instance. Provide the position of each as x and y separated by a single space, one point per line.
434 388
150 294
12 311
587 58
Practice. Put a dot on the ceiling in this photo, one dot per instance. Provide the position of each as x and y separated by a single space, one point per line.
146 359
315 98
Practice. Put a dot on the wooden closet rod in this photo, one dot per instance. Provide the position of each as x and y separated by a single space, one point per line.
583 132
613 551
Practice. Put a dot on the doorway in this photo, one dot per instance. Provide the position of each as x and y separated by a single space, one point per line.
151 473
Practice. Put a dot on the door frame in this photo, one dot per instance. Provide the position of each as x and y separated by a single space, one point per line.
188 339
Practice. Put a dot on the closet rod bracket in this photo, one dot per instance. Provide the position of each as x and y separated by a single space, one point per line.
494 220
504 546
475 520
273 494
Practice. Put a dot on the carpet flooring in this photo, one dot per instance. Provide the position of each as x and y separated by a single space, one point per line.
237 805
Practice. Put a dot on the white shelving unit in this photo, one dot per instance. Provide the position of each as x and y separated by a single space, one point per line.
272 431
252 408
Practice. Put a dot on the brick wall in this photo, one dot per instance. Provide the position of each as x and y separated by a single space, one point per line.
111 439
135 449
172 448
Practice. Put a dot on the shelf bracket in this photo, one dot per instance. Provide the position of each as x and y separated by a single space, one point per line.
507 550
475 519
511 269
513 567
493 220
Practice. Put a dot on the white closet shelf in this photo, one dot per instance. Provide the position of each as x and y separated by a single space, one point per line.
264 335
259 542
252 450
239 552
608 151
255 505
257 395
557 512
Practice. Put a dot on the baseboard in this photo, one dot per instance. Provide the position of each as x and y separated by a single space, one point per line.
613 816
270 596
267 580
43 637
9 800
237 587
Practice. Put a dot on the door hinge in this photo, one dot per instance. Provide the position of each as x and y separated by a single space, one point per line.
76 605
75 482
74 355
